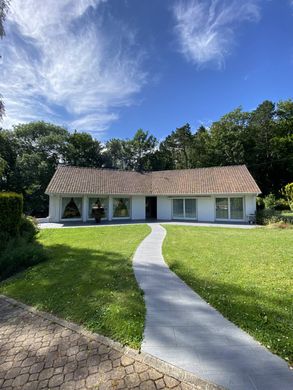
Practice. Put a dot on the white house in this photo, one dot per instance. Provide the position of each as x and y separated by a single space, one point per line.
203 194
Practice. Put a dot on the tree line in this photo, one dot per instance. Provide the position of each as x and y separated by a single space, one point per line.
262 139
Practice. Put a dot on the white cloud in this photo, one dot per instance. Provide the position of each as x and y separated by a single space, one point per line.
68 62
206 28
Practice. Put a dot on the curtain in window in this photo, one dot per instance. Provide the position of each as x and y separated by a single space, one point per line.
236 208
178 208
102 202
121 207
71 208
222 208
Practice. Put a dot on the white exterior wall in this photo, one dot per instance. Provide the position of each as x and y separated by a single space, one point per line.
54 208
138 207
206 209
250 204
164 208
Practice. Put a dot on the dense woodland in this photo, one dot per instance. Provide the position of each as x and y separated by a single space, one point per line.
262 139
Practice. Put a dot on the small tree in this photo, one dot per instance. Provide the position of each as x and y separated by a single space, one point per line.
287 191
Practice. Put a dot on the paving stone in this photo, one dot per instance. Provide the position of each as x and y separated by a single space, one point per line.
126 361
170 382
160 384
56 380
38 354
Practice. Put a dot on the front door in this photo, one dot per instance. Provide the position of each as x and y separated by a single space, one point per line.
151 207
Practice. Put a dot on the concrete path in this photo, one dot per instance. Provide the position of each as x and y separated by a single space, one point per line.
184 330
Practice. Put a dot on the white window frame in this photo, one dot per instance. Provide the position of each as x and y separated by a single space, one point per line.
184 217
71 219
88 204
229 209
130 207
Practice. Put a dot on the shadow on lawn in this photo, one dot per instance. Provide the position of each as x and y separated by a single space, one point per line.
91 287
269 319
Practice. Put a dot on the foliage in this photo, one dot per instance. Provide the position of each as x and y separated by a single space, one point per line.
28 228
19 254
11 206
270 216
260 204
270 201
88 279
262 139
252 286
288 193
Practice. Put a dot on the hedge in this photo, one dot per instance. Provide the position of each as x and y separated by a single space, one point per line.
11 207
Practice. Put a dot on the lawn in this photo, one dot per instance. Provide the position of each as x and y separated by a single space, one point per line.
88 280
246 274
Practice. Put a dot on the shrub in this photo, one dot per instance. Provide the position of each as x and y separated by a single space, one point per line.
20 254
281 204
270 201
11 205
288 193
260 205
28 228
266 217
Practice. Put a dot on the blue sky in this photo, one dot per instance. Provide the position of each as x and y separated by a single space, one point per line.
110 67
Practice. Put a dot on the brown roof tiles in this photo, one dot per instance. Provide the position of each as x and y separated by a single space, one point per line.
199 181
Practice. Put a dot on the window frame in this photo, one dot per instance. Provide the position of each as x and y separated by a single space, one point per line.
130 207
229 208
71 219
184 213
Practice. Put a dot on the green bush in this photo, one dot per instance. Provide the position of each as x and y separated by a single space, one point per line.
282 204
260 205
270 201
28 228
11 206
20 254
268 216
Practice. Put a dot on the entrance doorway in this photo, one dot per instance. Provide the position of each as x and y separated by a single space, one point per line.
151 207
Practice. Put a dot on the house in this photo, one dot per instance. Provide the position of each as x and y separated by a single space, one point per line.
202 194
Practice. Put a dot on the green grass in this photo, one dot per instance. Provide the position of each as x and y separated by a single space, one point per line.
88 279
246 274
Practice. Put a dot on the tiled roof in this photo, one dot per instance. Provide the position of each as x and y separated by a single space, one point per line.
199 181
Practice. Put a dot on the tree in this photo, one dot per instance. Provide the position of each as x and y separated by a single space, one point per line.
39 148
140 149
179 144
228 138
83 151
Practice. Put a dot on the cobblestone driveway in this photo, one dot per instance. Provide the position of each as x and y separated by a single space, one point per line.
38 351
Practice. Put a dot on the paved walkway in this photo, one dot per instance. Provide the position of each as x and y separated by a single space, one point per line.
184 330
40 351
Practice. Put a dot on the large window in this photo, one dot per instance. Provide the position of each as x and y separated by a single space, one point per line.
222 208
229 208
236 208
121 207
184 208
71 208
101 202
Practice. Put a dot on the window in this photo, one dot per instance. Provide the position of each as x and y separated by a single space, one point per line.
190 208
121 208
222 208
178 208
184 208
229 208
236 208
101 202
71 208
